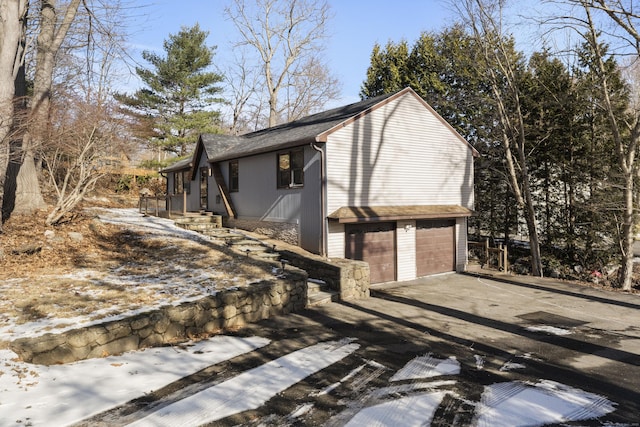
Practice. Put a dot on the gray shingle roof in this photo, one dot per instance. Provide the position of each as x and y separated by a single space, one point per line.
298 132
182 165
303 131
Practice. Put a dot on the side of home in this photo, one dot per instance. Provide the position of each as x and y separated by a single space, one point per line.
385 180
399 191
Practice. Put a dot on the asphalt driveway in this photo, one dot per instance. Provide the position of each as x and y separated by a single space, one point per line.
490 351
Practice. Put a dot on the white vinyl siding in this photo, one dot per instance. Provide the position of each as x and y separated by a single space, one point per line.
336 240
461 244
259 198
406 253
399 154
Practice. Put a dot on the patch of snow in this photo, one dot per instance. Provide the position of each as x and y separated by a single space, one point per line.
552 330
407 411
375 364
152 287
426 367
36 395
317 281
301 410
131 219
348 377
335 385
251 389
521 403
479 362
508 366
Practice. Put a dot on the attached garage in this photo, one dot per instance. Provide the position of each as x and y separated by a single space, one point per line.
402 242
435 246
374 243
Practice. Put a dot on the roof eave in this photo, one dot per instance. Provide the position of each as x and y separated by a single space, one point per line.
263 150
399 218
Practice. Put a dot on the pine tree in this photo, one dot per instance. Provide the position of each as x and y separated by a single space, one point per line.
179 92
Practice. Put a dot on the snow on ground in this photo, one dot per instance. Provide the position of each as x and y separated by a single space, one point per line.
408 411
32 395
35 395
547 329
524 404
427 367
125 288
151 225
251 389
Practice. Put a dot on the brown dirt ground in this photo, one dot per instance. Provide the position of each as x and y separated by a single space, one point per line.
50 281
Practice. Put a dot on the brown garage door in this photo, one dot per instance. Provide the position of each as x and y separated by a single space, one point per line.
374 243
435 247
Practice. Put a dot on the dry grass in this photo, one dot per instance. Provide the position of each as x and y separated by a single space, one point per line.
110 271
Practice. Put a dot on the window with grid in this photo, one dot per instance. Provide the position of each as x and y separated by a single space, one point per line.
291 168
234 173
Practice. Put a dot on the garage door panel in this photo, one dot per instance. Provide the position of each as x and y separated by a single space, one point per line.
374 244
435 247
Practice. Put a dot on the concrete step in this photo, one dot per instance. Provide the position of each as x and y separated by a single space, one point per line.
199 222
314 286
322 297
247 242
318 292
221 233
201 227
195 219
272 256
252 249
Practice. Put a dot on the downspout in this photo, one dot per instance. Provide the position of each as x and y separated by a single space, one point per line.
323 190
167 201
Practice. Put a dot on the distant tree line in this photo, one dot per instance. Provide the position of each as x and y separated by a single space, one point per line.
557 138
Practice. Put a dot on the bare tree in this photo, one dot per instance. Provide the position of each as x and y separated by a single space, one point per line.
287 36
484 18
308 89
242 82
625 130
615 22
84 127
13 15
51 34
79 141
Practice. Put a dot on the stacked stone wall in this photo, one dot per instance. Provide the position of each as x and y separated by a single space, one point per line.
282 231
348 277
226 310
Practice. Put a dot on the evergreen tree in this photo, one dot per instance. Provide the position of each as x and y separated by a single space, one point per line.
443 68
179 92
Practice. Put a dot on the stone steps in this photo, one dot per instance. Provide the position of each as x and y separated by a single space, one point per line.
319 293
200 223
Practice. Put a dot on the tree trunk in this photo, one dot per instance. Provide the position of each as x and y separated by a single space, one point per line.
12 34
626 147
532 228
28 195
627 236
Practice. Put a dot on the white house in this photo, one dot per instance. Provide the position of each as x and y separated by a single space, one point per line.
385 180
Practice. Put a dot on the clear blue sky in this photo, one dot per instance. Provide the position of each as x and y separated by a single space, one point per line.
356 26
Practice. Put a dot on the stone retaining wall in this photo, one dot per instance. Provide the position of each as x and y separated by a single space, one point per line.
282 231
210 315
348 277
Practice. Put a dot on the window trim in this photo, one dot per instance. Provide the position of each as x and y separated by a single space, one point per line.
178 182
234 164
291 171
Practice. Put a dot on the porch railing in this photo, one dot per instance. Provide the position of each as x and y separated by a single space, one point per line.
155 204
497 257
